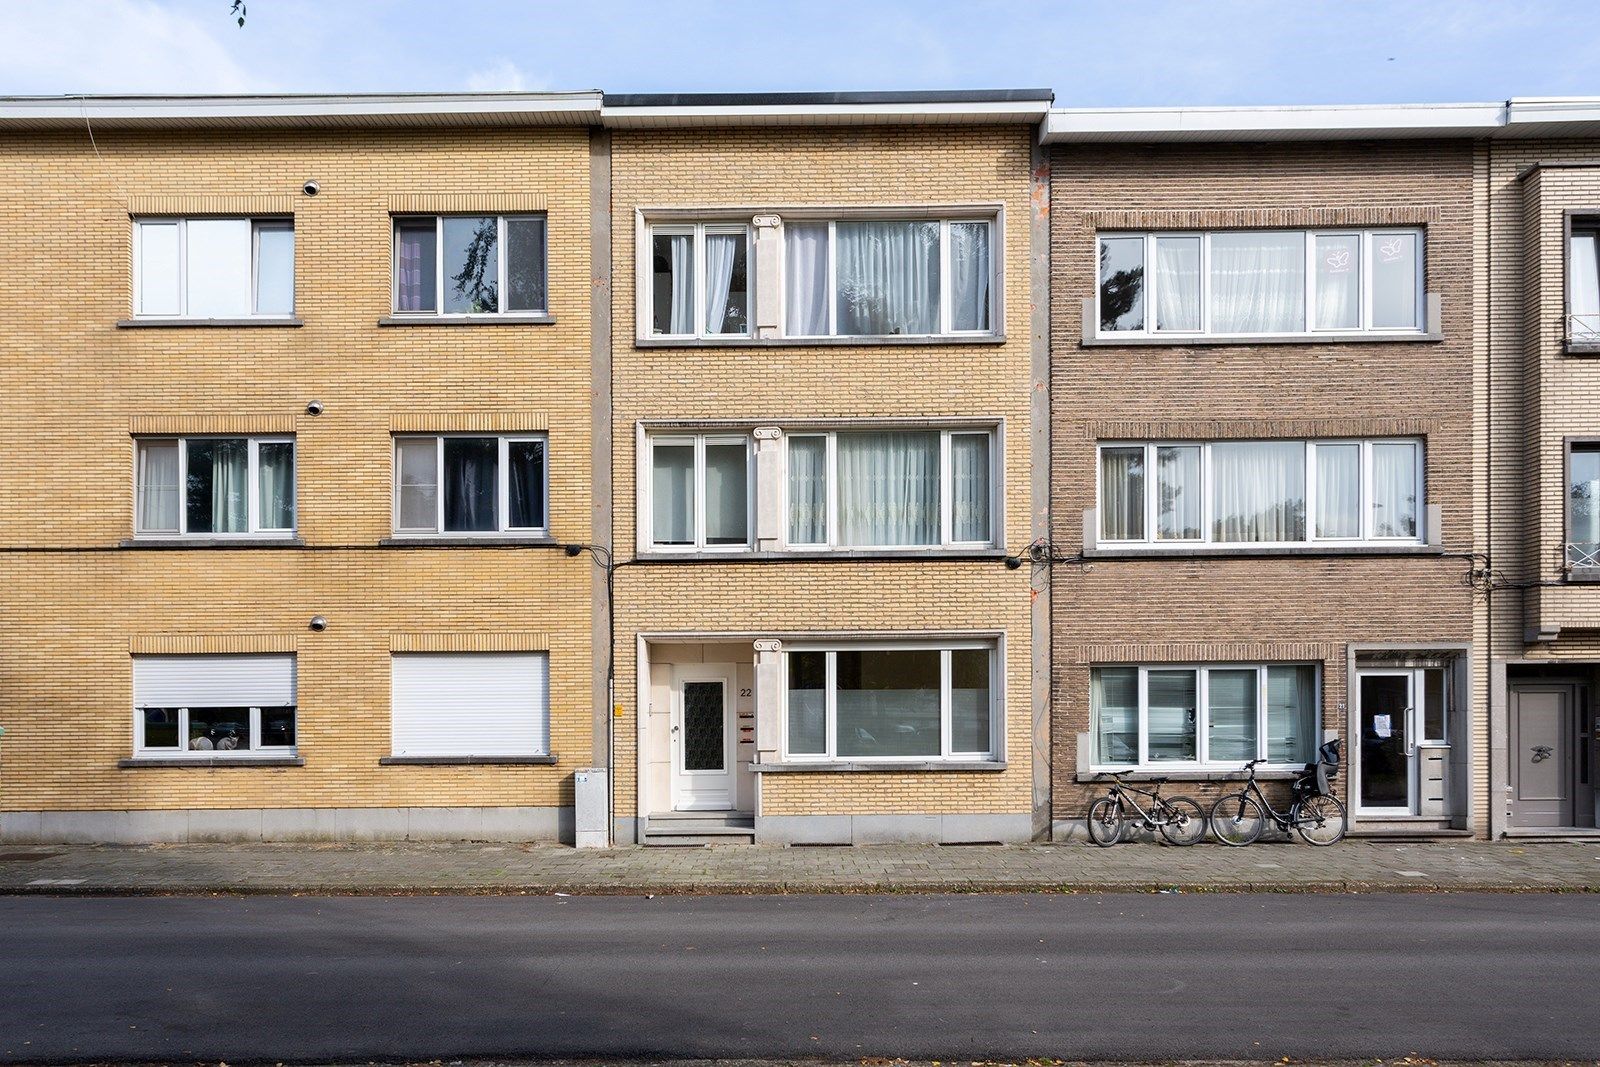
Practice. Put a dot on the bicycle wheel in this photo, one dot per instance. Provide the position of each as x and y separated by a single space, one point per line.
1319 820
1105 821
1237 819
1185 821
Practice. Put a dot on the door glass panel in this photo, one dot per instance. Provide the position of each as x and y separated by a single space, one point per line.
1433 705
704 727
1385 765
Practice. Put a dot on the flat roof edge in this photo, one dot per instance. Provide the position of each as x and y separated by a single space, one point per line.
1278 123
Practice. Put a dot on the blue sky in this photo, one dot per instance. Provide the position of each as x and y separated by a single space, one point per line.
1117 53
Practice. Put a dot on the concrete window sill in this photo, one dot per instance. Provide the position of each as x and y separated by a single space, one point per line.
466 761
166 324
847 767
1581 348
212 542
1256 340
468 320
1200 552
816 342
1583 575
140 763
447 541
840 556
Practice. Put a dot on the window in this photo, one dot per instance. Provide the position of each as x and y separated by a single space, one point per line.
840 278
1166 716
198 706
1261 492
1583 282
1237 282
470 704
700 280
890 488
906 702
215 486
470 265
1583 505
462 484
213 268
699 491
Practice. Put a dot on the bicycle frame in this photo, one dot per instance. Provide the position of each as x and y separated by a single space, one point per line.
1124 792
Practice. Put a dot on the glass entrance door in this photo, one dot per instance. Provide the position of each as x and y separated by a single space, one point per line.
1387 782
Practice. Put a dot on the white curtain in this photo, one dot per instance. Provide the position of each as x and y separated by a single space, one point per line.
888 488
1338 490
1114 693
727 494
1122 494
808 490
218 472
1291 714
1258 491
672 494
1394 280
888 277
806 278
1339 282
722 251
969 476
1258 282
969 275
418 460
674 283
275 482
1178 493
1584 296
1177 283
158 486
1394 490
1231 714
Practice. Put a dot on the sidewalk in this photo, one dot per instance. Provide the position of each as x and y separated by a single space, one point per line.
430 868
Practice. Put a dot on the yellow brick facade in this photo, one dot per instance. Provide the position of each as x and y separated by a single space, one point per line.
76 388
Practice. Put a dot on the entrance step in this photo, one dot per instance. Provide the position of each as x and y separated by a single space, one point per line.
688 829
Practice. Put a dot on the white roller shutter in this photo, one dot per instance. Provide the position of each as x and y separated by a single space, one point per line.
219 681
471 704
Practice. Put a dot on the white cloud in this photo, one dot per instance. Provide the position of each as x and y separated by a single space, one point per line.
502 76
119 46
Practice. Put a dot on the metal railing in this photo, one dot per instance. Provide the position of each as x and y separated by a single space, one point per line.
1583 553
1583 329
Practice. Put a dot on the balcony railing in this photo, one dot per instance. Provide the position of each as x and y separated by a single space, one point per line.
1583 330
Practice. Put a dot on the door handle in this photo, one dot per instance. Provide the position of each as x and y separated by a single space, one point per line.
1540 753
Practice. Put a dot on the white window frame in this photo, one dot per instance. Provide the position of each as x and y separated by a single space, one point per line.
1368 240
502 485
947 539
699 439
257 224
1202 760
1368 523
502 250
255 751
698 231
945 647
252 478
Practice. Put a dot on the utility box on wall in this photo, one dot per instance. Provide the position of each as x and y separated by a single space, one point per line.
592 810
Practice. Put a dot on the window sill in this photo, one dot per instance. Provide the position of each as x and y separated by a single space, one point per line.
468 320
847 767
453 541
863 341
1260 339
1202 552
154 762
839 556
465 761
160 324
212 542
1102 777
1581 348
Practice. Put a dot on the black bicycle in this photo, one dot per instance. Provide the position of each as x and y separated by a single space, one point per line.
1314 812
1181 821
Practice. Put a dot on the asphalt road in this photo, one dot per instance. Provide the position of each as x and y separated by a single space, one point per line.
942 977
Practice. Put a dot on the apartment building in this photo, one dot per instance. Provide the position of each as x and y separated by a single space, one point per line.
828 369
1262 470
299 441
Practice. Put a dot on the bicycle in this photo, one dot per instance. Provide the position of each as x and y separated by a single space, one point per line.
1315 814
1181 820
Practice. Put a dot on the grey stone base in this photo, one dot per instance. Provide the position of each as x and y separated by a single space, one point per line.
625 830
893 829
287 824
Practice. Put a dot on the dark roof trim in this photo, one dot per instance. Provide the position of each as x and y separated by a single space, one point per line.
936 96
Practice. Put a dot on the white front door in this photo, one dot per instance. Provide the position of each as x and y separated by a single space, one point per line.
703 739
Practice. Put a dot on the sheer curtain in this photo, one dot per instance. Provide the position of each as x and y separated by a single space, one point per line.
969 275
1339 282
806 278
1584 295
1231 714
888 277
672 494
470 487
888 488
1258 282
1114 694
526 485
727 493
1291 714
275 489
1171 730
969 476
1258 491
418 460
724 251
808 490
1178 493
1177 283
216 486
1394 490
1122 494
674 283
1338 490
415 265
158 486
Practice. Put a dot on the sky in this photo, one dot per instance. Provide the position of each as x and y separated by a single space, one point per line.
1104 54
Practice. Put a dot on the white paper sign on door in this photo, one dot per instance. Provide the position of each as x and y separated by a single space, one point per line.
1383 726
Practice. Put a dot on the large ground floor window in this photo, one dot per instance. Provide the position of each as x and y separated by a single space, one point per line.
209 705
